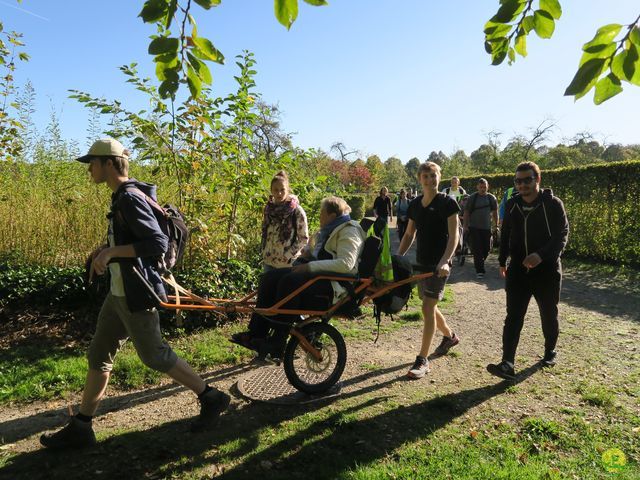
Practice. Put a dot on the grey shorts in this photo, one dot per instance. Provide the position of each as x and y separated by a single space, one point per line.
116 324
432 287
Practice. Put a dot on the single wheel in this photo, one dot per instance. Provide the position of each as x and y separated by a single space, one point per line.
304 371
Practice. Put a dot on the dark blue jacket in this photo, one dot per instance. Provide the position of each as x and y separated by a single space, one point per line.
135 223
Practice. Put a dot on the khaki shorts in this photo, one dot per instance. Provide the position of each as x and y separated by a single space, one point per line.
116 324
432 287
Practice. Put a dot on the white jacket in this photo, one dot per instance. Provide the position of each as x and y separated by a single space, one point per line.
345 246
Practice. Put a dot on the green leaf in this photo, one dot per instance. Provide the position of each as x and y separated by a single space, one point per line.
206 50
606 88
207 4
286 11
626 65
200 68
543 24
604 35
552 7
497 30
171 11
634 36
527 23
317 3
508 11
194 83
512 55
499 50
153 10
168 88
600 49
585 77
520 45
161 45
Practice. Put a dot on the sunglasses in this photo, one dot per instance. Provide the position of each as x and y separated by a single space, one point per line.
525 180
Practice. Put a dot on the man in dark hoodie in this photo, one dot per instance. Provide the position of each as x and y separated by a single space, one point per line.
135 240
534 233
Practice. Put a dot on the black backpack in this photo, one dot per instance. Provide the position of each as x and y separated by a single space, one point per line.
395 300
173 225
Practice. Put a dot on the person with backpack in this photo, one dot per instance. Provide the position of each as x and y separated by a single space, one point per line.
135 241
535 231
455 191
284 226
480 209
433 217
336 249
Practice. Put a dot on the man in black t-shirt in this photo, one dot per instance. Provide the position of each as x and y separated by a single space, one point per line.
433 217
382 205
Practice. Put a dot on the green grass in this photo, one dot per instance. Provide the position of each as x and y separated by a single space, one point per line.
598 395
37 372
26 374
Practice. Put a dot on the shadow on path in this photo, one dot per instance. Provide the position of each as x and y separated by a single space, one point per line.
168 451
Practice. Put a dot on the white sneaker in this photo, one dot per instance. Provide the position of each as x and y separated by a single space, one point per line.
419 369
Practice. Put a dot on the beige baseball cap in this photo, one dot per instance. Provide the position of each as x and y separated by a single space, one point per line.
105 147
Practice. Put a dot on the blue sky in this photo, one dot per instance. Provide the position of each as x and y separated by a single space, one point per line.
390 77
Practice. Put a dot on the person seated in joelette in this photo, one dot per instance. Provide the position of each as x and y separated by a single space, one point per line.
336 249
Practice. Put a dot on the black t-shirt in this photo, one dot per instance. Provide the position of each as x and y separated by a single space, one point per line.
432 227
382 206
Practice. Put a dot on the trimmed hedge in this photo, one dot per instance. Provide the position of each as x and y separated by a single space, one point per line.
600 201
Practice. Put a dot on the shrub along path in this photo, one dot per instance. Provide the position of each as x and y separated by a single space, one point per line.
458 422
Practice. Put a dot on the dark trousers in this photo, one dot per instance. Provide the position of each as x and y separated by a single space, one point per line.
520 286
278 284
401 226
480 246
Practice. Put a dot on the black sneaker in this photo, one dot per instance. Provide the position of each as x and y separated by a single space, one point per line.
76 434
211 406
446 344
549 359
502 370
419 369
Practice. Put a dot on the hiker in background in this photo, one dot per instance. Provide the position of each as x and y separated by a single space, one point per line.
135 240
402 209
410 194
433 217
480 209
455 191
382 205
284 226
535 230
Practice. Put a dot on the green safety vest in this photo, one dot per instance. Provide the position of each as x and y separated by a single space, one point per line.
384 267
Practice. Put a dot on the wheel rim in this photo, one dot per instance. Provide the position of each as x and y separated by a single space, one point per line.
310 370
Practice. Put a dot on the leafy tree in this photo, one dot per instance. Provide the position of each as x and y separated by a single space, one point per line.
612 56
459 165
438 157
182 57
395 176
411 167
10 127
376 168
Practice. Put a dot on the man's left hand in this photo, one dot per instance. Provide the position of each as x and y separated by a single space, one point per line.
532 261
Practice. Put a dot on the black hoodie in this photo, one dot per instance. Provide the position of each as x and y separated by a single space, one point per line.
543 230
